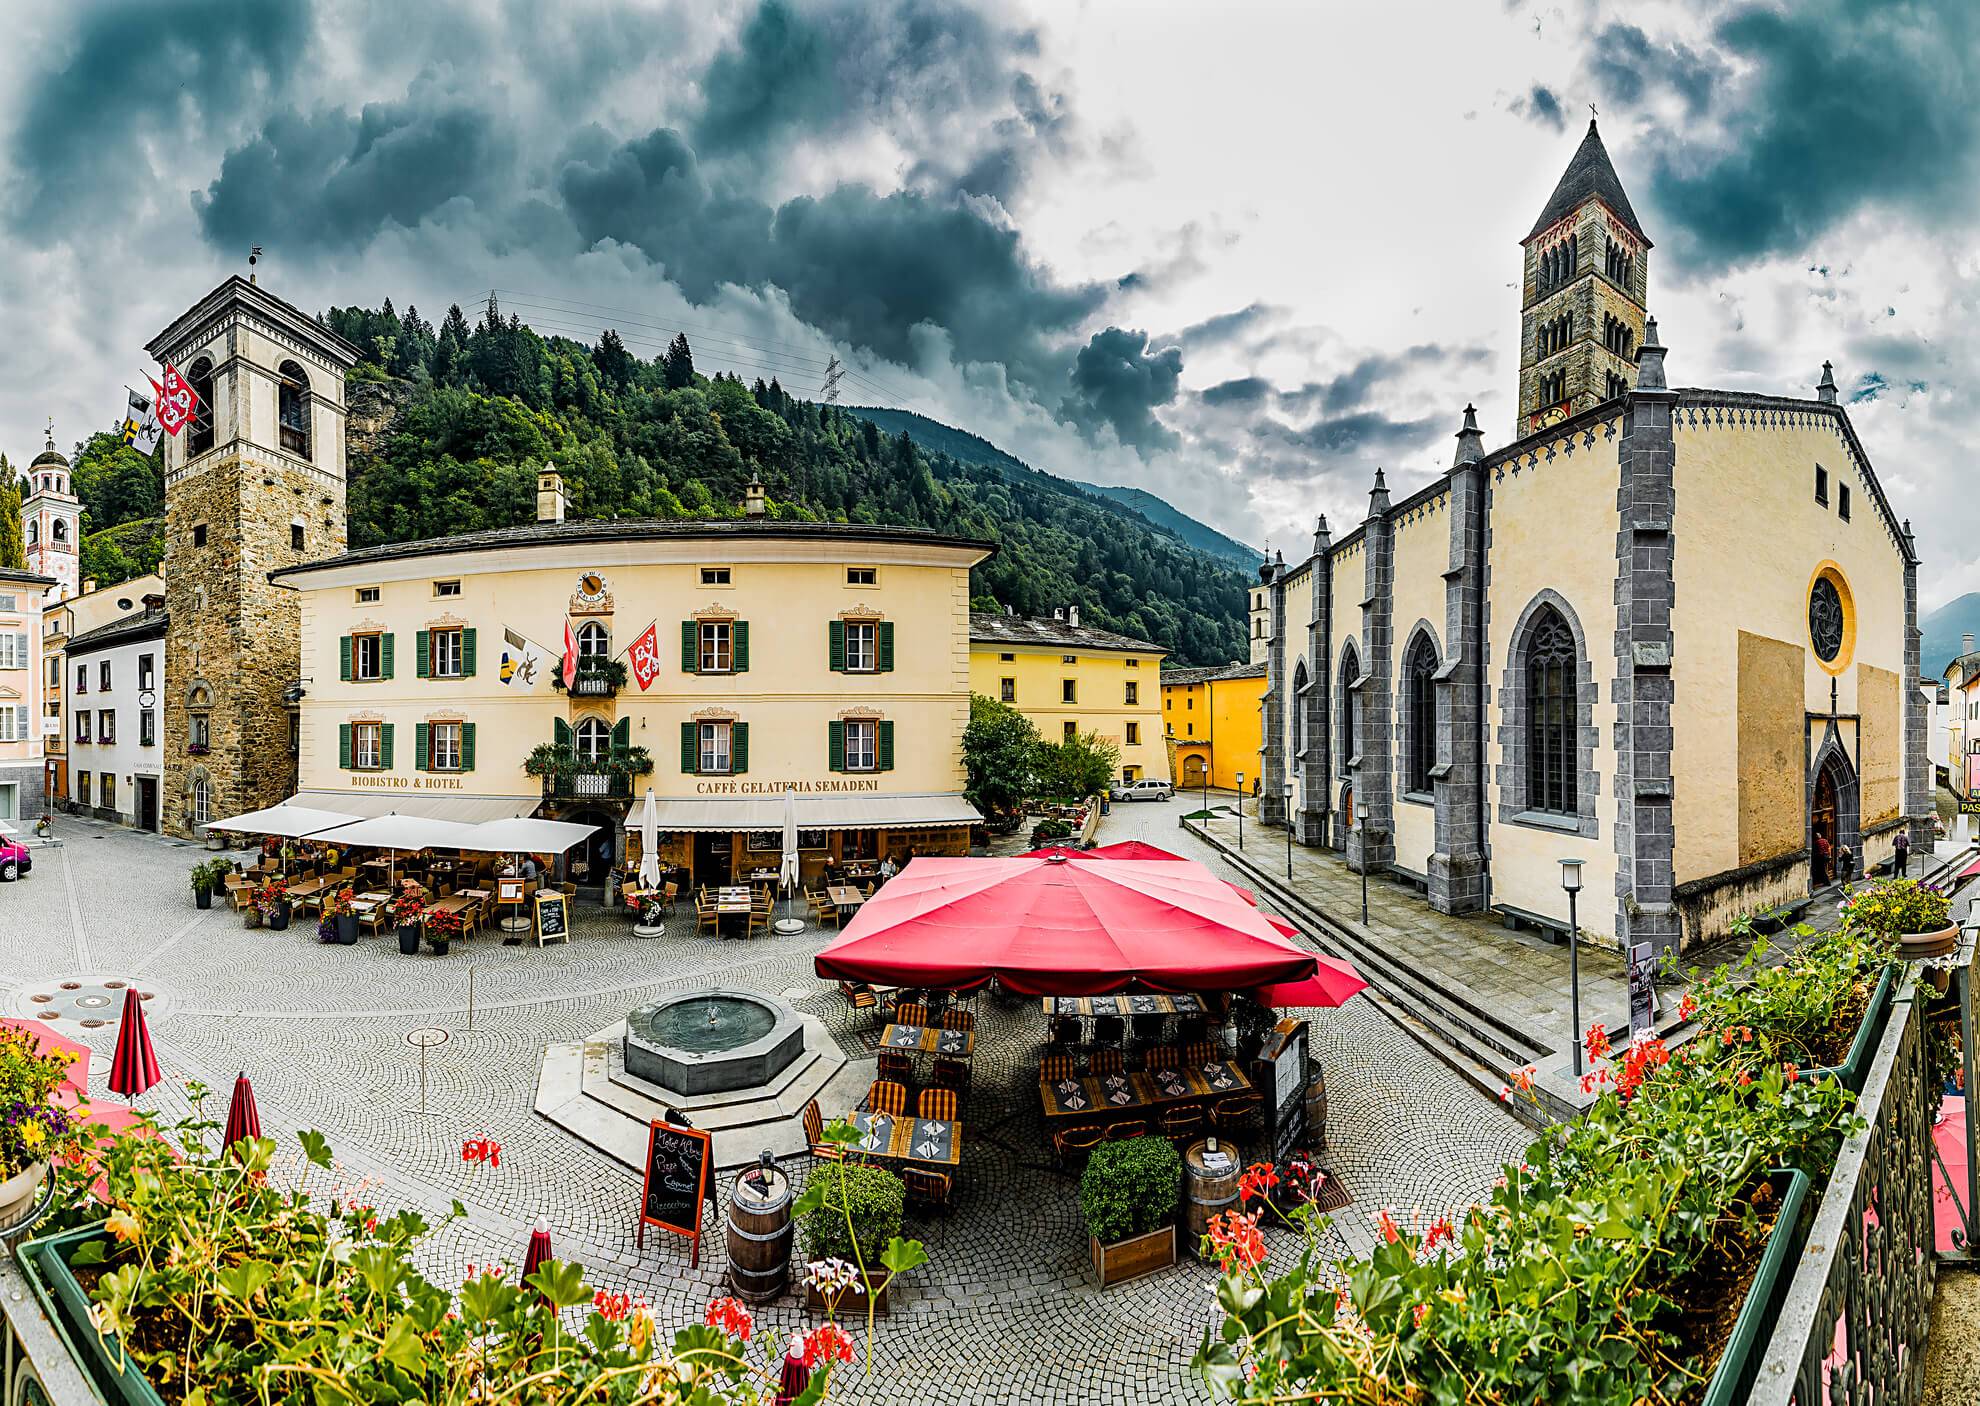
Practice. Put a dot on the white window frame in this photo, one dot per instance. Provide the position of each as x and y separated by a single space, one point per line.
862 647
202 802
718 576
106 725
594 641
147 671
715 647
103 675
367 595
147 727
593 728
448 649
862 745
446 588
862 576
376 652
13 649
443 746
715 752
367 746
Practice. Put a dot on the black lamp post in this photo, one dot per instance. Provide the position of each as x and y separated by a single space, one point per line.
1361 824
1571 881
1288 791
1240 809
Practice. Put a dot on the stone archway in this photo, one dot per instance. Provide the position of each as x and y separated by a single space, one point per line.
1834 815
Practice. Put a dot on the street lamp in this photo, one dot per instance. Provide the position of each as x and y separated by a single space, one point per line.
1361 824
1289 827
1240 809
1571 881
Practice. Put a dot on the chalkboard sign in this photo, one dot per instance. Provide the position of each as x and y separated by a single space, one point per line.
1281 1070
677 1170
553 918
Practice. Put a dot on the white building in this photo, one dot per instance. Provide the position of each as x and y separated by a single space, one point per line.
112 705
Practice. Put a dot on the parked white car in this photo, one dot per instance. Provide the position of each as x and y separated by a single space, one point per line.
1146 789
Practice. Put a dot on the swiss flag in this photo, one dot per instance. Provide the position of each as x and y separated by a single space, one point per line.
646 657
176 400
570 656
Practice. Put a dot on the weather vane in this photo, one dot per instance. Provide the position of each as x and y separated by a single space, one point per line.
1592 112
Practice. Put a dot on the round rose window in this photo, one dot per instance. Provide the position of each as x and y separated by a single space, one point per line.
1825 619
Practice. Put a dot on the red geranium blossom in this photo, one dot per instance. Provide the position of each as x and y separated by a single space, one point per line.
827 1343
731 1317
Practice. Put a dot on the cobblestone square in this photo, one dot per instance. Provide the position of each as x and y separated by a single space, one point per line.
1008 1309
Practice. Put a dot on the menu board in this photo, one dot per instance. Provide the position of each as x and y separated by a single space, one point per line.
509 890
1285 1059
553 917
677 1169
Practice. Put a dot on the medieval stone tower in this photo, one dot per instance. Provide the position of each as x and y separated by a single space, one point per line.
1582 299
254 483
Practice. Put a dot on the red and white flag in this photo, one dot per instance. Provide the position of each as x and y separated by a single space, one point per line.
645 656
570 656
176 400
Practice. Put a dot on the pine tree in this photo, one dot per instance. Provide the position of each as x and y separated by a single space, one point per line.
13 547
614 362
679 363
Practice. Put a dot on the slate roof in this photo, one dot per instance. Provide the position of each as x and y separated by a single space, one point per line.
1216 673
1590 173
149 624
994 627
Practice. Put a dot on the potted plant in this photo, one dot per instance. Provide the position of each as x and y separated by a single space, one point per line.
208 877
340 919
405 908
859 1204
34 1127
442 927
1129 1194
1914 917
272 899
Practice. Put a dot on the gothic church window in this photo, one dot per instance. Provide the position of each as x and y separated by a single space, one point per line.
292 409
1420 698
1299 711
1350 706
1551 780
199 434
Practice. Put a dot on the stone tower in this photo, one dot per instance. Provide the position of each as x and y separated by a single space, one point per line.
1583 295
253 483
51 520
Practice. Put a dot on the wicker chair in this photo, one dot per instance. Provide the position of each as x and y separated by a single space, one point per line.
938 1104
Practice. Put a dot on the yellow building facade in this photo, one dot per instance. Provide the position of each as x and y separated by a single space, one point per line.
1214 725
1072 679
745 660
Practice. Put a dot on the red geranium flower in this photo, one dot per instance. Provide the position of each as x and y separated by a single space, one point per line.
731 1317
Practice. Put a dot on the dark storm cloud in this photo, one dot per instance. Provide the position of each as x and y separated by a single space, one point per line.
1118 382
1543 105
1355 386
1225 326
1368 435
1629 66
1844 105
139 72
1245 390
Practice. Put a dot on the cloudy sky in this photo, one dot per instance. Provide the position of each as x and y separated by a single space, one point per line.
1238 254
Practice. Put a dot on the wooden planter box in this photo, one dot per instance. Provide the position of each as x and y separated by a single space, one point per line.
1856 1065
1732 1381
99 1356
1133 1257
850 1302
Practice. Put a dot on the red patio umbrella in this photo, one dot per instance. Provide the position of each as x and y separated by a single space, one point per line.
1061 926
1331 984
243 1119
47 1042
1131 850
538 1252
135 1067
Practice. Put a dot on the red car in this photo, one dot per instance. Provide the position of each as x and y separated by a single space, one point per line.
14 860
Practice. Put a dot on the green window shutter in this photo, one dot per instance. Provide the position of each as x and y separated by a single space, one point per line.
385 731
344 658
740 634
835 646
561 734
690 644
886 747
886 633
344 741
835 745
738 748
420 752
423 653
621 738
690 758
467 746
467 654
385 656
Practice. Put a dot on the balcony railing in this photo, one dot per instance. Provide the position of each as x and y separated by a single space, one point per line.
601 678
587 785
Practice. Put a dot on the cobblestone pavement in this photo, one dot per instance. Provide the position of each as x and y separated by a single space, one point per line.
1007 1311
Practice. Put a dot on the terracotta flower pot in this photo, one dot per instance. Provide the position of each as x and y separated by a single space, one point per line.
1913 946
17 1191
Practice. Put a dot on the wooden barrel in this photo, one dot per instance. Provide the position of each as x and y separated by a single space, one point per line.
1316 1108
1210 1186
760 1235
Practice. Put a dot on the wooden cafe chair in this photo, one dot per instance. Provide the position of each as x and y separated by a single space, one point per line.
814 1136
896 1066
887 1097
928 1190
1104 1062
1054 1067
938 1104
1073 1144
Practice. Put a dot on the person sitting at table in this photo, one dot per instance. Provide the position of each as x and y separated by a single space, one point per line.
529 866
888 868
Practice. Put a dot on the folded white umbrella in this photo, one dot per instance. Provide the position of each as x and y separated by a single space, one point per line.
788 870
649 842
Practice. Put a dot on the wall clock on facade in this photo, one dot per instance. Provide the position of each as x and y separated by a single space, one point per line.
591 588
1825 619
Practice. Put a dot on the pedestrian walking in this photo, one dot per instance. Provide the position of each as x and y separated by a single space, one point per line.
1901 854
1845 864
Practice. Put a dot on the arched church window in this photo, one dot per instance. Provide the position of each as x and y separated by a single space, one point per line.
1299 711
202 802
292 409
1350 705
1551 779
594 740
594 641
34 531
1420 698
61 530
199 434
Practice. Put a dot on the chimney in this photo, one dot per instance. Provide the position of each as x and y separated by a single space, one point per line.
89 584
1825 389
753 502
1072 616
1966 644
549 494
1059 614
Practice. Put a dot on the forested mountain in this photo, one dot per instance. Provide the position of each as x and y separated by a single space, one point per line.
974 449
449 423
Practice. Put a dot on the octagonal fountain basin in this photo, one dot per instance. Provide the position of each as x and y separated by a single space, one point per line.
707 1042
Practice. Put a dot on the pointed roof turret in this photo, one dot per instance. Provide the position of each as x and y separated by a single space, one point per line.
1589 174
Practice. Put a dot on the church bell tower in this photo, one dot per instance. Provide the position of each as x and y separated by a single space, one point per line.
1582 301
253 483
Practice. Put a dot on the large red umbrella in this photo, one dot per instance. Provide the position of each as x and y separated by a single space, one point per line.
1130 850
135 1067
1331 984
1061 926
47 1042
538 1252
243 1118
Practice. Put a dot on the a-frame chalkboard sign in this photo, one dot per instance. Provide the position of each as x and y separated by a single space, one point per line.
679 1162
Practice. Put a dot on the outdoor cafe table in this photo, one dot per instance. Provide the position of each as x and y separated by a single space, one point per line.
932 1142
924 1039
845 896
306 892
1118 1095
1183 1003
733 902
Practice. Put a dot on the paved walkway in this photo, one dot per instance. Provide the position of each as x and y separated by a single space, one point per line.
1007 1311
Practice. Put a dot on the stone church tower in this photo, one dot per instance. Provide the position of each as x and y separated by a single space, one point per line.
1582 299
254 483
51 520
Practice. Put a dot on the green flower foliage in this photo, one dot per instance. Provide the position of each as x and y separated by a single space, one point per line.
872 1199
1130 1188
1891 908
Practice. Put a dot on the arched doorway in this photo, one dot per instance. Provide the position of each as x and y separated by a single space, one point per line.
588 862
1833 816
1822 828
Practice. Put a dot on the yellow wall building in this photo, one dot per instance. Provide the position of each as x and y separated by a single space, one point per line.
1070 678
1212 718
825 661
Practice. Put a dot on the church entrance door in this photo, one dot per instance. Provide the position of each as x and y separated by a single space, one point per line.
1822 828
1347 807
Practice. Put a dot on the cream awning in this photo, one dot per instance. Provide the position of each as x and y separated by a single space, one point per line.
401 832
828 812
435 805
289 820
517 836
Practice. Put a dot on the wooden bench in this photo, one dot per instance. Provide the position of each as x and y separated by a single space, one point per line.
1553 929
1420 882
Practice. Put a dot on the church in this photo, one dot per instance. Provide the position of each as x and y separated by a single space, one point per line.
1668 633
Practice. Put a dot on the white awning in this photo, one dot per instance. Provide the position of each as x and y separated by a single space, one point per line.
289 820
519 836
401 832
438 805
828 812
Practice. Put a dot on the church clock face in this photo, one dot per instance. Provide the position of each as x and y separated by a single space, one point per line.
1825 619
1552 416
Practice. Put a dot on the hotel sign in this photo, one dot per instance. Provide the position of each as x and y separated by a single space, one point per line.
777 788
405 783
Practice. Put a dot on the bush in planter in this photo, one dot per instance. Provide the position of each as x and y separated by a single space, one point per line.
1895 908
876 1198
34 1127
1130 1188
